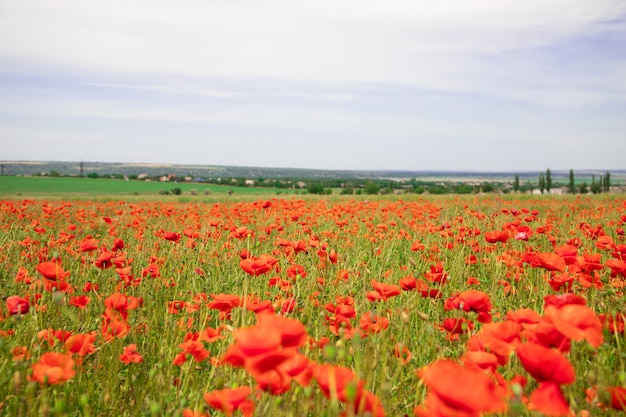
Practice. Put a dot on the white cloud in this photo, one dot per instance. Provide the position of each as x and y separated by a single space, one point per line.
447 75
413 42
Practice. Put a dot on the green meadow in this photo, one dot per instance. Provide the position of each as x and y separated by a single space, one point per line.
12 186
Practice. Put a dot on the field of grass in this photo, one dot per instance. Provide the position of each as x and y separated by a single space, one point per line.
12 186
412 306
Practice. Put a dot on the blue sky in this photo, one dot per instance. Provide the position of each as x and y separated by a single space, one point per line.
486 85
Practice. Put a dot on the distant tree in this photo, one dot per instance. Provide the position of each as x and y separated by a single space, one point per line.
54 173
548 180
177 191
571 187
583 188
541 182
487 187
596 187
92 175
516 183
438 189
464 189
371 187
606 182
315 188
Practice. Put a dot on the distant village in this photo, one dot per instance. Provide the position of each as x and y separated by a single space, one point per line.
342 182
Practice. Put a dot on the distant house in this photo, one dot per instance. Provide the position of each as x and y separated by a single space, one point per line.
249 183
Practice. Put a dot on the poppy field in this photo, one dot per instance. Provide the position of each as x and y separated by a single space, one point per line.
453 306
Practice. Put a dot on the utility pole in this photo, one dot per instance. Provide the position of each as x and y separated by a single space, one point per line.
81 168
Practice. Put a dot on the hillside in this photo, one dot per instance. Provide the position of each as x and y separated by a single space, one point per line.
71 168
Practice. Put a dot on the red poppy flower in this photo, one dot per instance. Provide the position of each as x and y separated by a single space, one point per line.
436 274
403 353
104 260
551 262
568 253
20 353
81 344
79 301
548 399
498 338
228 400
17 305
544 364
53 368
385 291
465 389
618 397
617 266
577 322
372 323
333 380
481 359
471 300
296 271
408 283
497 236
559 300
192 348
292 331
88 244
224 302
52 271
524 316
130 355
172 236
255 266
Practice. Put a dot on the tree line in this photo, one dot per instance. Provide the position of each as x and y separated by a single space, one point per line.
544 183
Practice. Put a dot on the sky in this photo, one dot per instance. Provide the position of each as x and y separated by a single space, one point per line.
481 85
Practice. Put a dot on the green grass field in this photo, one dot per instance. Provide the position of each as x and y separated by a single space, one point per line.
11 186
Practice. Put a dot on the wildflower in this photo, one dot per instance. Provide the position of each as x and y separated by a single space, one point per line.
81 344
544 364
549 400
53 368
460 389
130 355
17 305
230 399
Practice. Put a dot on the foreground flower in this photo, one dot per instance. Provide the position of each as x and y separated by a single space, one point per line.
230 399
53 368
618 397
577 322
52 271
459 390
544 364
130 355
81 344
17 305
548 399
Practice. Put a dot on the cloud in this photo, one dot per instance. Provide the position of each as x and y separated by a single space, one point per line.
441 78
420 43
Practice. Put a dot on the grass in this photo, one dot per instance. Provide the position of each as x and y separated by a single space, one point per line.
12 186
373 239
